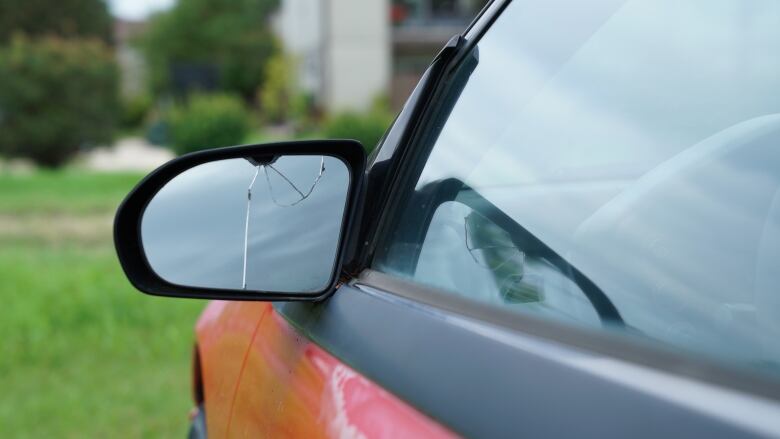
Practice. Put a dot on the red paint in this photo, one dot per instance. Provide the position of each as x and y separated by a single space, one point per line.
286 386
224 333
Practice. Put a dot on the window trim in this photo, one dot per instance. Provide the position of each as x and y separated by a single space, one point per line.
598 341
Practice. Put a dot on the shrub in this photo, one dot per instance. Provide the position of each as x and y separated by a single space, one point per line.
134 110
304 113
56 96
368 129
207 121
278 89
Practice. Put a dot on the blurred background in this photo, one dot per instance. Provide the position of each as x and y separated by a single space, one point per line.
95 94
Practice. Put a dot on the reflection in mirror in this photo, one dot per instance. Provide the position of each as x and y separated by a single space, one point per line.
466 252
255 224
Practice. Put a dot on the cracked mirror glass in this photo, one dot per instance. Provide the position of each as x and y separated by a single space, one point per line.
269 224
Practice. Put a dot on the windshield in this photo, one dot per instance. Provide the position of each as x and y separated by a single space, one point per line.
640 141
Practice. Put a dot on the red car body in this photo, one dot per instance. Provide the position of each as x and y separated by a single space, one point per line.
286 386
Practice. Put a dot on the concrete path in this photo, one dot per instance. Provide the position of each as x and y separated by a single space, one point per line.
129 154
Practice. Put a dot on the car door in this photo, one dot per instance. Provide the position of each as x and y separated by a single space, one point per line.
540 257
224 334
293 387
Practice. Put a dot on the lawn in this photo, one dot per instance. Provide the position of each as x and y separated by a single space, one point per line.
82 354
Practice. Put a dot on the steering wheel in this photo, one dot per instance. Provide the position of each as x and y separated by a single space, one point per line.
684 237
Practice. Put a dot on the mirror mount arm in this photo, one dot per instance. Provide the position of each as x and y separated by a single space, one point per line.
262 160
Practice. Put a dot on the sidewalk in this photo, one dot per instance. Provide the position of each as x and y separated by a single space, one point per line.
129 154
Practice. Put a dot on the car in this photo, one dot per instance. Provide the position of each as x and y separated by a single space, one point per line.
571 229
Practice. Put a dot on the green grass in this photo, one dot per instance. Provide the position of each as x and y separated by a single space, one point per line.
69 191
82 354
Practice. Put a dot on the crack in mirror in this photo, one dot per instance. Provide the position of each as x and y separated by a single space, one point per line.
303 196
215 226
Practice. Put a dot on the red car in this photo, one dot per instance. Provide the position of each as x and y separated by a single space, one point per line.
571 229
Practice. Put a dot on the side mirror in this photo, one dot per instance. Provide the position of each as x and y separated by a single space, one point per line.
260 222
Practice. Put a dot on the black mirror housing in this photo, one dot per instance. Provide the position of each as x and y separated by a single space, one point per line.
135 261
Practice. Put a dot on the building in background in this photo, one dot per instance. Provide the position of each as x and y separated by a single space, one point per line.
419 30
349 52
341 49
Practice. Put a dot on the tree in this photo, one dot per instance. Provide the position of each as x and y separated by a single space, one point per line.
232 36
58 78
61 18
56 96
